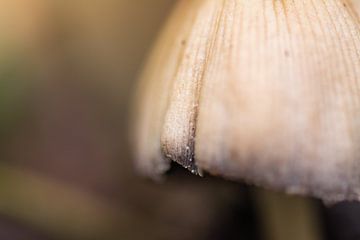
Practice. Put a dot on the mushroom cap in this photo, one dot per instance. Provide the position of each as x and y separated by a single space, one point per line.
266 92
356 4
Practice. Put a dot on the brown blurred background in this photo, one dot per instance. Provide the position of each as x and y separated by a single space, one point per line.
67 71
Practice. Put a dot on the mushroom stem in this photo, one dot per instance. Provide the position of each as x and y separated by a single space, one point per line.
287 217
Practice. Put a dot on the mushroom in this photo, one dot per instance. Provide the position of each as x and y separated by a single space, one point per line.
266 92
356 4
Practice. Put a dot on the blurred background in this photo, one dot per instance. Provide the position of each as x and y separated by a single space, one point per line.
67 71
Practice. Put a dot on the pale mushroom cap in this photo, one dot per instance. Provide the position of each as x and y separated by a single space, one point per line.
262 91
356 4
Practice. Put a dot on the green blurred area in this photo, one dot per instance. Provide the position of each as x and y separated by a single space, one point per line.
14 87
